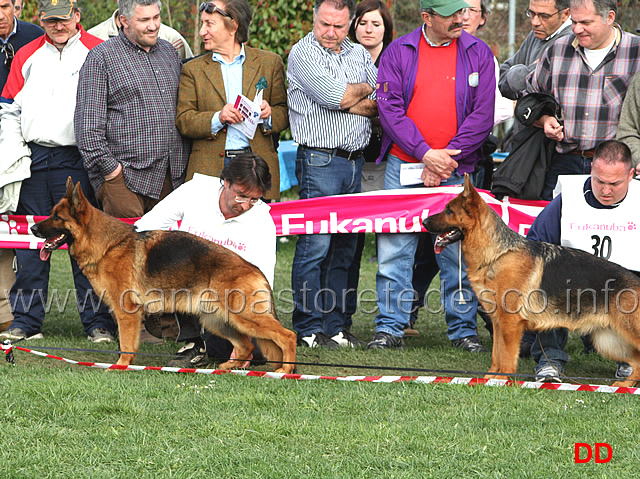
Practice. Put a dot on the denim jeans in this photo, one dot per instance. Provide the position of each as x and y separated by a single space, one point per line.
321 262
563 164
548 349
396 254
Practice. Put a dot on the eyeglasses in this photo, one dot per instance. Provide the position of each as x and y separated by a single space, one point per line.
542 16
475 11
54 21
9 52
459 13
244 199
211 8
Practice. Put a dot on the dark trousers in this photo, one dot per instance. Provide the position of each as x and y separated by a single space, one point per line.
29 294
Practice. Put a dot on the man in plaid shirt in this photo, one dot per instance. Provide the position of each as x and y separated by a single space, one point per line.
125 115
588 73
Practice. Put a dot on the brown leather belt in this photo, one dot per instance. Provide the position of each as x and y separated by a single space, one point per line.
585 153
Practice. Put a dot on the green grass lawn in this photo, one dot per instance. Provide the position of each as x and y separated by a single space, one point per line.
60 420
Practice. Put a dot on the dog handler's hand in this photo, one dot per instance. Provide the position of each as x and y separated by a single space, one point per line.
440 162
230 115
114 173
429 178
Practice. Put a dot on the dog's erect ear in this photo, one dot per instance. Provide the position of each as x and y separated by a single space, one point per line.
468 186
69 187
77 198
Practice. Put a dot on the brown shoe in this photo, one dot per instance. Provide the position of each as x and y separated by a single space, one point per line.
411 332
146 338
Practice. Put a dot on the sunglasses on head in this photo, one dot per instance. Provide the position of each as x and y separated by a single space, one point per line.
8 51
211 8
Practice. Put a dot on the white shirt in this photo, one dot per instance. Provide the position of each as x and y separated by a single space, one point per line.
610 233
252 235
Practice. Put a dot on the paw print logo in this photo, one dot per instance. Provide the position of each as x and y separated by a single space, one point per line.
8 225
631 226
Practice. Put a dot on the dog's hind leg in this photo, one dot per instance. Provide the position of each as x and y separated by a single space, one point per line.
271 351
634 379
264 325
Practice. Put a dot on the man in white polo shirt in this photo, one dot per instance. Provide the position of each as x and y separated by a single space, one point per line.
228 211
609 196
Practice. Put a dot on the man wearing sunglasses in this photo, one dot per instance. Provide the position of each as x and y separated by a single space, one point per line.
549 21
37 115
207 111
228 211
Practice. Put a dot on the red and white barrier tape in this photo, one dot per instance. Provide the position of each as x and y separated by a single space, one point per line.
373 379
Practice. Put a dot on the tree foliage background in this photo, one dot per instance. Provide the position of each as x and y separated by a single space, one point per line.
278 24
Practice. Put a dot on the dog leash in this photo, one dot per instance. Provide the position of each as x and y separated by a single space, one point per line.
8 350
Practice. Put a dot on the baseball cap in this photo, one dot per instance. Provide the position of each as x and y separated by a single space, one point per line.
444 7
62 9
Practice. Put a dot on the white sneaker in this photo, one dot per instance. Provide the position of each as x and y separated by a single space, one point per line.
548 374
347 340
15 334
624 371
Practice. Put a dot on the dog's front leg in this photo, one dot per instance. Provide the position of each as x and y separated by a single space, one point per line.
496 350
512 330
129 325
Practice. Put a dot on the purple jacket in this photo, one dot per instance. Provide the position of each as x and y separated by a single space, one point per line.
474 104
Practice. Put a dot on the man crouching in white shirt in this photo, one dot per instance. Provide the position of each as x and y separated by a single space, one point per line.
228 211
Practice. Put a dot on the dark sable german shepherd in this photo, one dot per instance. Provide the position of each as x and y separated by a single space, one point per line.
168 271
526 284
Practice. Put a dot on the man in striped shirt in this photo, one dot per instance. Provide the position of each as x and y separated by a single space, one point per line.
331 97
588 73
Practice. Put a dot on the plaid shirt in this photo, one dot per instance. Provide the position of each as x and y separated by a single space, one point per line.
126 113
590 99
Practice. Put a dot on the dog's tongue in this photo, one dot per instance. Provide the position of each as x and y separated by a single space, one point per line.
438 247
44 254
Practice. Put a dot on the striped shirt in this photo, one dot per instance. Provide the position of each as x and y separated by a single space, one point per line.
590 99
318 79
126 113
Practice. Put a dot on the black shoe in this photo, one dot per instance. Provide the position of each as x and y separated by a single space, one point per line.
189 356
385 341
470 343
317 340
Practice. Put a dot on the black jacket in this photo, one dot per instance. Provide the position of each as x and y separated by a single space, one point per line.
522 173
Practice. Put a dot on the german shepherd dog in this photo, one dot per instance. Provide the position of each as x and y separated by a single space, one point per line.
525 284
168 271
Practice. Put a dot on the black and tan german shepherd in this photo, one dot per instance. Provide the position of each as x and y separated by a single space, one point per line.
525 284
168 271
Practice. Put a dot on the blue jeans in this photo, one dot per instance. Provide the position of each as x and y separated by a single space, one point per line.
29 294
396 254
321 262
563 164
548 349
